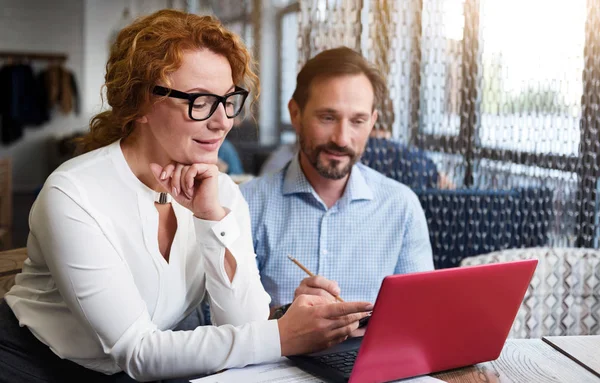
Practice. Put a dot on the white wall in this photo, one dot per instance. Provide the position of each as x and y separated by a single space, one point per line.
101 20
46 26
100 17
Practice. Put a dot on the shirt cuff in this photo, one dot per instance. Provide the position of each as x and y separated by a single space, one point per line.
267 345
220 233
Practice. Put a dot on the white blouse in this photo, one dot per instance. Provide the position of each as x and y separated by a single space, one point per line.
97 290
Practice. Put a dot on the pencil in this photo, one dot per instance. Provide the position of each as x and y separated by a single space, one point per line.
307 271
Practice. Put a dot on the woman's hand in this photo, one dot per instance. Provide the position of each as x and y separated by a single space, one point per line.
312 323
192 186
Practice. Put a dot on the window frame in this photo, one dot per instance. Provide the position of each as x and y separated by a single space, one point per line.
465 143
290 8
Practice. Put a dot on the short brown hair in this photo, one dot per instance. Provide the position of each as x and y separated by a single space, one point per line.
148 51
333 63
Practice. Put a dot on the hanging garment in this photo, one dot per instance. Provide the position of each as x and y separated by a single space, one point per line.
60 89
21 102
11 128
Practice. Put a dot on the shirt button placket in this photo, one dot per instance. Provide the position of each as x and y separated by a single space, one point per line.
323 244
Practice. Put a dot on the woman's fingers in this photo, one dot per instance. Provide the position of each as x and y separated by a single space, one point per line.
162 175
176 180
345 308
347 320
186 188
341 334
167 171
186 182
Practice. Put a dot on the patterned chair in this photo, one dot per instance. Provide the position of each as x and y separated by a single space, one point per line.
468 222
408 165
564 294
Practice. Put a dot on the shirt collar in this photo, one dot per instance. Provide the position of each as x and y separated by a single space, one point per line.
295 182
357 188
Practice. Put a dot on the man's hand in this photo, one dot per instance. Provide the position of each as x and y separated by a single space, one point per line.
319 286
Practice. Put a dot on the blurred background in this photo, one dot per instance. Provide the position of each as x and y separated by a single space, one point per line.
492 117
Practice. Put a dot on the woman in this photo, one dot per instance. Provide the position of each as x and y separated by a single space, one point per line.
126 239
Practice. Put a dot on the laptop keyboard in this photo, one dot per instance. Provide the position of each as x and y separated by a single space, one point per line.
341 361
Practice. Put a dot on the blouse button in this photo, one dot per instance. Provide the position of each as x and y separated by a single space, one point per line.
222 234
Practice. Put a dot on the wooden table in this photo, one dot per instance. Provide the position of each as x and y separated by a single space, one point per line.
523 360
11 262
584 350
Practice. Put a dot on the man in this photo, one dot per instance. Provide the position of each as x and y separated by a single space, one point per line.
342 220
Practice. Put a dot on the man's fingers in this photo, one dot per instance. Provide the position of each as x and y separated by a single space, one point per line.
314 291
310 300
322 283
346 308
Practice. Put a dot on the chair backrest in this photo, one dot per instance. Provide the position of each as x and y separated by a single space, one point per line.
564 294
468 222
408 165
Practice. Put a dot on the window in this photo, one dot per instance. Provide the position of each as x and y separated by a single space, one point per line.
520 90
242 28
531 75
441 60
237 17
288 60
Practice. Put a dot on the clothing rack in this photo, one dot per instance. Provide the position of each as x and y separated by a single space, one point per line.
33 56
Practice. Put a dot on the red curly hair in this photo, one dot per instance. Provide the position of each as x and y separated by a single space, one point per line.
145 53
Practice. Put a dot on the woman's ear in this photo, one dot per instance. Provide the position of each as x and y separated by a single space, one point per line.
142 120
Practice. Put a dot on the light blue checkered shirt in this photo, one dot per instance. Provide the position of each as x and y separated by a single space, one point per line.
376 229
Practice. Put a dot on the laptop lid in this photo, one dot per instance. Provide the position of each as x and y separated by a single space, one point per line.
439 320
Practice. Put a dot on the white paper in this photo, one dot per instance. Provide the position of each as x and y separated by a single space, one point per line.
282 371
420 379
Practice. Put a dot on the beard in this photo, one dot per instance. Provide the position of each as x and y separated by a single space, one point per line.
330 169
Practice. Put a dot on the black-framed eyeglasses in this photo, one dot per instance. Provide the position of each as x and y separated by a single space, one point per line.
203 105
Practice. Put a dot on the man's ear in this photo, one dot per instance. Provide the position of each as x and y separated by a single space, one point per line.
374 118
295 114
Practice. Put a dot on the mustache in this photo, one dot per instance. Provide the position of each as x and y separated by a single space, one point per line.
332 147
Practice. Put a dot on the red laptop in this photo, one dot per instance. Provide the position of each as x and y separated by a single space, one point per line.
429 322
